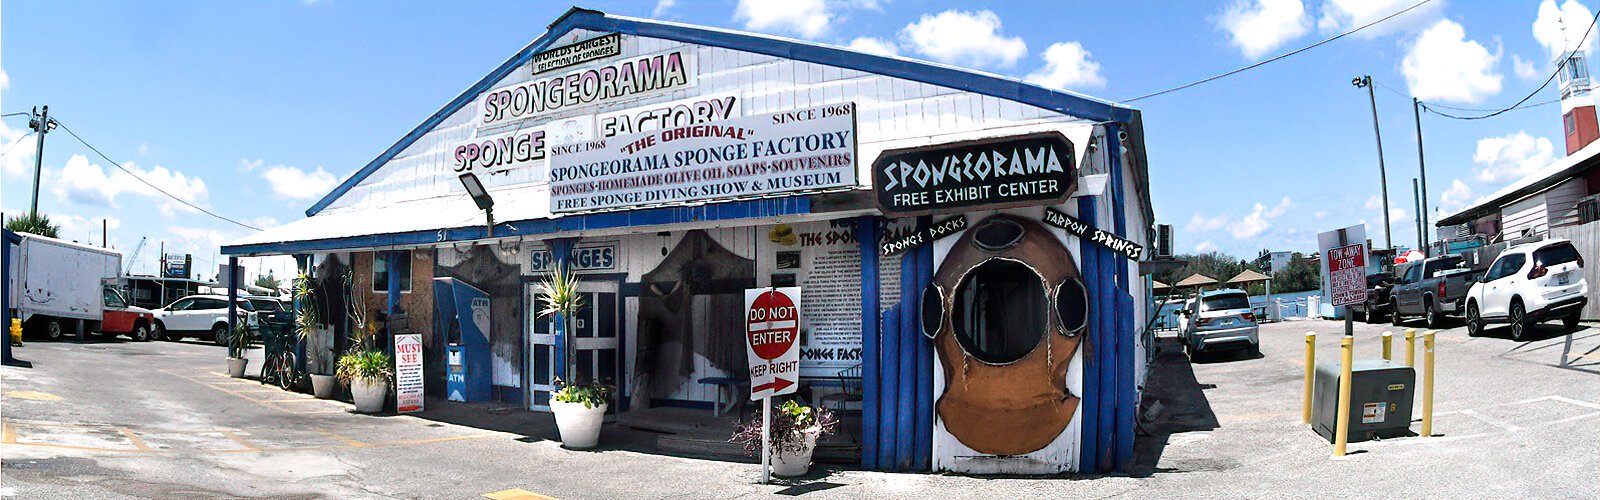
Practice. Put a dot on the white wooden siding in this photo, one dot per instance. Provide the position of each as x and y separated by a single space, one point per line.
1561 202
1530 214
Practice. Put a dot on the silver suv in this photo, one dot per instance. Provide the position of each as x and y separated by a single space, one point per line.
1218 320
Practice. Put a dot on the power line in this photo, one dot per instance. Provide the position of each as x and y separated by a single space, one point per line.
119 166
1280 56
1530 95
19 113
14 144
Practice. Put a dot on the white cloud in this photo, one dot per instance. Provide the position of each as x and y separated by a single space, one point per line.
964 38
294 183
806 18
1523 68
1511 156
1443 65
1259 220
662 6
872 45
18 146
1068 65
1205 246
1321 214
1200 223
1559 29
1456 197
1341 15
91 184
1375 204
5 80
1258 26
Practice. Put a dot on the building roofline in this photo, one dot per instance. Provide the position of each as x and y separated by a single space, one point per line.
1068 103
1557 172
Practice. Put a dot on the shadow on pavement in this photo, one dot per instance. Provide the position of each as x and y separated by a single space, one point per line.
1175 404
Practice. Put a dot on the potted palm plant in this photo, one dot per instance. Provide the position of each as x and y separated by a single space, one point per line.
580 408
368 374
238 344
795 429
306 322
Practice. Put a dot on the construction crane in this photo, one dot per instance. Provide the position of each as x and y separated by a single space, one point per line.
134 256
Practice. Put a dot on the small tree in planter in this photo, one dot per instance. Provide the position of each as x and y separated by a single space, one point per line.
306 323
795 430
579 408
238 343
368 374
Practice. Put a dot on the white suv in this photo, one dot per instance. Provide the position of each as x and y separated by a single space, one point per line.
1528 284
206 315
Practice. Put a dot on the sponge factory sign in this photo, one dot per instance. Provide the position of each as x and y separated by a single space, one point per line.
1015 171
802 150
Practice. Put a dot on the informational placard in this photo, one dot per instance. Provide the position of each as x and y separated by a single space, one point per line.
408 373
802 150
577 53
1094 235
1344 265
1015 171
772 340
176 265
825 259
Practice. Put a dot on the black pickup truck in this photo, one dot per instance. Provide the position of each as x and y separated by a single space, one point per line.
1376 308
1433 288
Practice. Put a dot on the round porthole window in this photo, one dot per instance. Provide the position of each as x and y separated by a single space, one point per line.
998 234
1000 311
1072 306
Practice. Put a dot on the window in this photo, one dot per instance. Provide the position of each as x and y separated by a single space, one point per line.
1506 266
1572 126
1560 253
113 299
181 305
380 271
1414 273
1000 311
1225 302
264 305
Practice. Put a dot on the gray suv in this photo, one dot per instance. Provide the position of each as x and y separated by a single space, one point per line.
1220 319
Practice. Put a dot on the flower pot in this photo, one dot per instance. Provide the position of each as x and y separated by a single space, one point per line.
324 386
794 463
579 426
369 394
236 367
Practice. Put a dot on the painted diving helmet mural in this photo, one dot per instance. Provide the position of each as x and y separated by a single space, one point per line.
1006 311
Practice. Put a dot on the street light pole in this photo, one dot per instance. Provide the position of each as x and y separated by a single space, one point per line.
40 124
1422 215
1417 199
1365 81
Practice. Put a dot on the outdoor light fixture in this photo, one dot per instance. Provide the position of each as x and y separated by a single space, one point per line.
481 197
665 237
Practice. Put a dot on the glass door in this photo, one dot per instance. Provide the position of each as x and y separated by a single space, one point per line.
595 332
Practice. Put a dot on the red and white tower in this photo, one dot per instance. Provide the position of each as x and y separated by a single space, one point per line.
1577 104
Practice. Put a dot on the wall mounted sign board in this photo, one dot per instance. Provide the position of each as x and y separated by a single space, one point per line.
1082 229
586 257
921 237
615 80
577 53
1015 171
802 150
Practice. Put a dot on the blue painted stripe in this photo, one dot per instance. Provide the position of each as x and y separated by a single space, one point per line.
910 343
923 459
1106 350
871 394
1127 404
888 386
945 76
1089 409
561 248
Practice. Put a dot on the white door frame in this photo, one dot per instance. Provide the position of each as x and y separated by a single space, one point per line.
584 343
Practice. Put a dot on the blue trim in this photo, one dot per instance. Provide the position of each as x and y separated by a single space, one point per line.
906 356
1107 351
733 210
233 298
923 454
1088 459
561 249
1127 404
944 76
867 237
889 387
7 238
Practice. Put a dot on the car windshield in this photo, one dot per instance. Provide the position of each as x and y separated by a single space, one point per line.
1225 302
245 304
265 304
1560 253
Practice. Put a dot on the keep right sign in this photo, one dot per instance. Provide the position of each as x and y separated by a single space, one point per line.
772 340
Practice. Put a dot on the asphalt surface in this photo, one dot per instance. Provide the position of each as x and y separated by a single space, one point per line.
117 419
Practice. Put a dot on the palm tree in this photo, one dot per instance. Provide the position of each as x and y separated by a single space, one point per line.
33 224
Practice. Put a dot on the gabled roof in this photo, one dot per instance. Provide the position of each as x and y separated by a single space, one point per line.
1069 103
1540 180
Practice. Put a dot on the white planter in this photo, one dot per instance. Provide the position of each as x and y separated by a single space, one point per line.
792 464
579 426
369 394
324 386
236 367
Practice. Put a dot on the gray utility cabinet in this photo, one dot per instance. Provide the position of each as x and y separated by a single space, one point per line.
1380 399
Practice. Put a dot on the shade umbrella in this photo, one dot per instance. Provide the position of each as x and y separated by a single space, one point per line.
1247 277
1196 280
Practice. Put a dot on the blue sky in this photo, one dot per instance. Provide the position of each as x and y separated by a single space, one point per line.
255 109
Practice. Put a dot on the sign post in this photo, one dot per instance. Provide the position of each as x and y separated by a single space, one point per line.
772 346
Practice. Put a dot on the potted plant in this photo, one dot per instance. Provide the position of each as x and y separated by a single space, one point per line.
580 410
795 429
368 374
306 322
238 343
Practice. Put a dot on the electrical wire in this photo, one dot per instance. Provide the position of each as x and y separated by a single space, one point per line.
19 113
119 166
1280 56
15 143
1553 74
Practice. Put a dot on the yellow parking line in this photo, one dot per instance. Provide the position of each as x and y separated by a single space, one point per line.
135 439
8 433
347 441
241 440
33 395
516 494
437 440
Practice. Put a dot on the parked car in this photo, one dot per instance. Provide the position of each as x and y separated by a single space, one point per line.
1220 319
1376 308
268 309
1433 289
201 316
121 318
1528 284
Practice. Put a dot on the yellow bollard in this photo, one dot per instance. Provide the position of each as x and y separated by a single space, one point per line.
1427 384
1411 347
1341 434
1311 369
16 332
1388 352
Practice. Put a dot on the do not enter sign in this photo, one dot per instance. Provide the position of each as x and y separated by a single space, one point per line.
772 340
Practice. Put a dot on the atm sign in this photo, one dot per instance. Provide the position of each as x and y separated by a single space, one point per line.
591 257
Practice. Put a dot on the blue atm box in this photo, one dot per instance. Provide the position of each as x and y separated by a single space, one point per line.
462 315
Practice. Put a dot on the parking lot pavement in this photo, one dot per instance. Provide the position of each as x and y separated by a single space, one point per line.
156 420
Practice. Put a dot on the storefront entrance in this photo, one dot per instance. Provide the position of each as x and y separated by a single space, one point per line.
596 341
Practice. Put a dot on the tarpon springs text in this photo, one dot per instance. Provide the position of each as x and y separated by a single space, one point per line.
1097 236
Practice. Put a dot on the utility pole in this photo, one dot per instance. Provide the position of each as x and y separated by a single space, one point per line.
1365 81
1417 199
1422 214
103 242
41 124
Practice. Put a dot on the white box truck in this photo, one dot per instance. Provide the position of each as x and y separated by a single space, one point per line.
58 287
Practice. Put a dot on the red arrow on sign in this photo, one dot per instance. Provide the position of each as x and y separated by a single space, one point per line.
777 384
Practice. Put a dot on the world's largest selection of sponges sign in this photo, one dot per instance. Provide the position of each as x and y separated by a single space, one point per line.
792 151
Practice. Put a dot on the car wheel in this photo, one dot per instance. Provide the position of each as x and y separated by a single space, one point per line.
219 335
1394 314
140 333
1519 322
53 329
1431 317
1474 322
1570 323
156 332
1255 350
